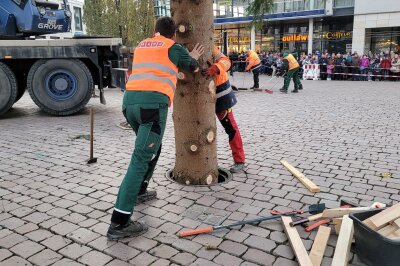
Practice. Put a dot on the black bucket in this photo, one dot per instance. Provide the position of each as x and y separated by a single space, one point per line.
371 247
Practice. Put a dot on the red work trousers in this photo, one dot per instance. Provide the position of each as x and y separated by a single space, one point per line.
235 140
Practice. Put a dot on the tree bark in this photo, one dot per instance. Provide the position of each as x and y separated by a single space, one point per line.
194 104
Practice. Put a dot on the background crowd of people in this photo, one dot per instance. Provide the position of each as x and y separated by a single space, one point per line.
348 66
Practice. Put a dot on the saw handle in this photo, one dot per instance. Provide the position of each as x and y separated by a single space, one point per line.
316 224
196 231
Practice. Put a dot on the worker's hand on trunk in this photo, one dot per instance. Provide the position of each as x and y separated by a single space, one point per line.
211 71
197 51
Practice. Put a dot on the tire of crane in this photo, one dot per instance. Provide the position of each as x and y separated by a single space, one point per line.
59 86
8 88
21 92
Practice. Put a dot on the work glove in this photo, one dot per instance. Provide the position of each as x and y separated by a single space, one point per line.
197 51
211 71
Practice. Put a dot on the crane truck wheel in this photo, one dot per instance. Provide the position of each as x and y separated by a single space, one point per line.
21 92
8 88
59 86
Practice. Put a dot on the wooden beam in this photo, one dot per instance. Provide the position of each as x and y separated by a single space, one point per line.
379 220
338 223
341 256
318 249
339 212
296 243
387 230
306 182
396 223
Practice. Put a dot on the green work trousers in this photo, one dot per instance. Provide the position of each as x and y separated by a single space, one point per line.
292 74
148 120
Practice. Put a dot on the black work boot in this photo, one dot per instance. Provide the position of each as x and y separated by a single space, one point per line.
146 196
131 229
300 87
296 90
283 90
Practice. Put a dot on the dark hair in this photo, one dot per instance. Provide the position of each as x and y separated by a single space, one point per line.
165 26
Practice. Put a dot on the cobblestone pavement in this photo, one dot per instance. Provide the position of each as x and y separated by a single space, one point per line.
55 209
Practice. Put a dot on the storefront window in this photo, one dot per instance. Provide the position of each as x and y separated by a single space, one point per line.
333 36
384 39
343 3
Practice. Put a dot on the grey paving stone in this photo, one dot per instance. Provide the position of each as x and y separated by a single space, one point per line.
232 248
237 236
67 262
284 251
64 228
227 259
163 251
45 257
142 243
26 249
183 258
4 254
95 258
207 254
121 251
56 242
260 243
11 240
257 256
74 251
203 262
186 245
144 259
83 236
118 263
26 228
15 260
285 262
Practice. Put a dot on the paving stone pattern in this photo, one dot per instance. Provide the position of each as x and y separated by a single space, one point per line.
55 209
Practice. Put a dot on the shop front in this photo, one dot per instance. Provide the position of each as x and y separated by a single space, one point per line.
383 39
334 35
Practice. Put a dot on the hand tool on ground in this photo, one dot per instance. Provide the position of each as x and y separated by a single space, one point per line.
317 224
315 208
343 204
91 158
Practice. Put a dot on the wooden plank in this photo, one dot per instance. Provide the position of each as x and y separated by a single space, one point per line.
341 256
296 243
319 245
379 220
338 223
338 212
306 182
387 230
395 235
396 223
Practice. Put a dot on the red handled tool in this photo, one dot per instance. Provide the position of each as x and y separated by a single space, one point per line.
316 224
315 208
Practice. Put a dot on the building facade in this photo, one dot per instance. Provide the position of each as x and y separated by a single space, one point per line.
306 25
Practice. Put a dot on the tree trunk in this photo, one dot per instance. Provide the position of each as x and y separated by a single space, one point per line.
194 104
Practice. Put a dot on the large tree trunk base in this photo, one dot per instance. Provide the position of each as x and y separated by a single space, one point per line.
224 176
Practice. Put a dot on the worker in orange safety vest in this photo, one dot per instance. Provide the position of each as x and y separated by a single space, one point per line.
149 91
254 64
226 99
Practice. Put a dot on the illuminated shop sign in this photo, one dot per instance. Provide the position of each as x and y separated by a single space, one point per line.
336 35
241 39
295 38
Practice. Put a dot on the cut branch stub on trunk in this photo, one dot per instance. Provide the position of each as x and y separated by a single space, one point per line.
194 108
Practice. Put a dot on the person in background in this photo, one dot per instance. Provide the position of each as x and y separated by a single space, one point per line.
364 65
254 66
329 69
385 65
323 62
226 99
339 67
395 68
292 67
355 64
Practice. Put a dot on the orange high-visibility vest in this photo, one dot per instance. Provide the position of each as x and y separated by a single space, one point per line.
253 59
292 61
223 63
152 70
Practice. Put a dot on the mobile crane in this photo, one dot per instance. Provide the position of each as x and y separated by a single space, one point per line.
59 74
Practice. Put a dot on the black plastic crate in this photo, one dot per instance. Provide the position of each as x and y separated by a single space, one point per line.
372 248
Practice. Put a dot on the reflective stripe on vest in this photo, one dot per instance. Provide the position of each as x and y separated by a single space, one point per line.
224 92
292 62
217 56
152 70
153 77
